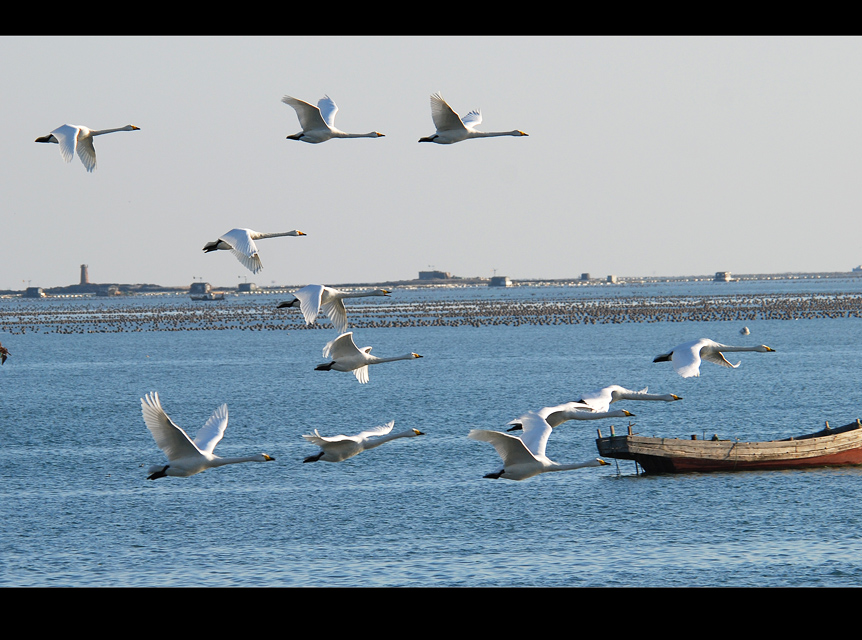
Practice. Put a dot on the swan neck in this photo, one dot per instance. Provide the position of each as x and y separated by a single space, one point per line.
103 131
389 436
220 462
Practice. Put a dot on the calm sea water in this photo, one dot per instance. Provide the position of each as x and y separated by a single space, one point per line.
77 509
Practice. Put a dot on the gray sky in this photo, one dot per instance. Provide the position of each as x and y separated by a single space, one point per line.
645 156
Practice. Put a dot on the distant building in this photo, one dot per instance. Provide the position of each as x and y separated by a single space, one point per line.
585 276
500 281
612 279
246 286
200 287
34 292
434 275
85 276
859 268
722 276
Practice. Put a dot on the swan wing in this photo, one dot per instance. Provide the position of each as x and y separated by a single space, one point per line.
309 301
171 439
511 449
445 119
717 357
341 347
320 440
67 137
382 430
536 433
87 152
337 314
361 374
212 432
686 361
244 248
472 119
309 116
327 109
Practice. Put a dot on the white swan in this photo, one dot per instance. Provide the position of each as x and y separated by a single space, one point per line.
686 357
187 457
524 457
241 243
338 448
744 331
346 356
313 298
318 123
601 399
73 138
557 415
451 128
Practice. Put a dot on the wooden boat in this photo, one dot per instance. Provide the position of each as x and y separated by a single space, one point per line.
830 447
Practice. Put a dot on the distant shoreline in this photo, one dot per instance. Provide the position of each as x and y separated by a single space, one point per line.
111 289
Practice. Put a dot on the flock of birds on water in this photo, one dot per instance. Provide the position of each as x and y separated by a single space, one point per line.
523 456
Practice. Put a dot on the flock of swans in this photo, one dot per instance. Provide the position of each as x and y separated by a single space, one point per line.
317 122
523 456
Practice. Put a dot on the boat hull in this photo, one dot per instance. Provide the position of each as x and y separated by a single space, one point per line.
831 447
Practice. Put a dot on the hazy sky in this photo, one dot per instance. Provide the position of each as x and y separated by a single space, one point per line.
645 156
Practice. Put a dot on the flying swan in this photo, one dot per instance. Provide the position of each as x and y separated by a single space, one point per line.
241 243
601 399
313 298
73 138
451 128
4 353
686 357
338 448
346 356
524 456
187 457
557 415
318 123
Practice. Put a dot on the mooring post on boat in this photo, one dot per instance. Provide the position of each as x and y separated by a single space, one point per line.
612 431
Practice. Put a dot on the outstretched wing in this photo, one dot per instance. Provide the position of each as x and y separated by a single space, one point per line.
337 314
327 110
244 248
536 433
341 347
309 301
170 438
511 449
382 430
211 433
67 137
309 115
445 119
472 119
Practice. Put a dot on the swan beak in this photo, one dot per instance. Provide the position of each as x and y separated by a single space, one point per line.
522 133
268 458
379 135
418 433
134 128
769 348
629 414
602 463
416 355
301 233
386 292
675 397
